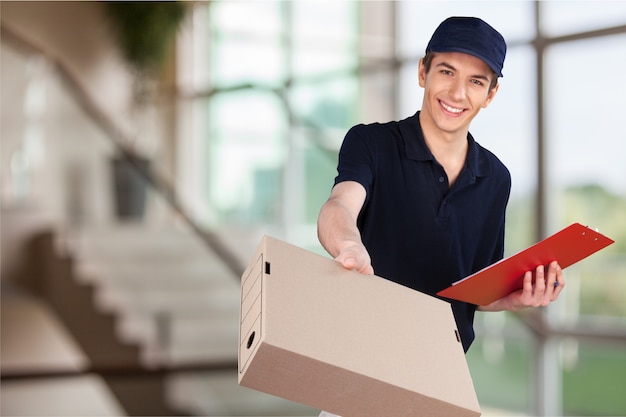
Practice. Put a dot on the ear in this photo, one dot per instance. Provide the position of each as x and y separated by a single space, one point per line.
421 73
490 96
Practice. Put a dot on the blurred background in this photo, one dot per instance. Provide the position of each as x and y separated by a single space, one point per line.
147 147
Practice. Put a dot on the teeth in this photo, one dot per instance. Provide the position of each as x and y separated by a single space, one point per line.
451 109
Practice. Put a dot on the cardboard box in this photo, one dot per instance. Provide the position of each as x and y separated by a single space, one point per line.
350 344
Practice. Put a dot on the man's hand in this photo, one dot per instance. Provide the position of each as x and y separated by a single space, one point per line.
355 256
539 289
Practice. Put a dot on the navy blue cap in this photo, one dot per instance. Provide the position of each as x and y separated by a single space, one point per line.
473 36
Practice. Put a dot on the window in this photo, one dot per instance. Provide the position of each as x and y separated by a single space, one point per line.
287 79
586 170
283 90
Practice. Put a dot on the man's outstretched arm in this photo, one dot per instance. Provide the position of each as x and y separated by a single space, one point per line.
337 229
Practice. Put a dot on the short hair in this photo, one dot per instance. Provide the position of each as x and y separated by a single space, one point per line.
428 60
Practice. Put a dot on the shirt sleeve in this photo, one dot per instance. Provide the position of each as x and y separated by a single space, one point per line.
356 158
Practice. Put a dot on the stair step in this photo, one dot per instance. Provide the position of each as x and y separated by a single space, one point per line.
202 354
154 300
198 336
171 294
201 271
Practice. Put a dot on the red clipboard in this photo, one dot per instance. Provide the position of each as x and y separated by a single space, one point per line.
567 247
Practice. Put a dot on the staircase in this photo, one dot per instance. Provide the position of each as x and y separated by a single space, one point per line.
138 297
145 297
174 297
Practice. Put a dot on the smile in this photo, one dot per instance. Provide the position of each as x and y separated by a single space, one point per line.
449 108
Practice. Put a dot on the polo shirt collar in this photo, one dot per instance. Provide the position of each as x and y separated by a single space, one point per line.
416 149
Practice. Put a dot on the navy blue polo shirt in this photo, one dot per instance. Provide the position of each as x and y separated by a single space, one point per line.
420 232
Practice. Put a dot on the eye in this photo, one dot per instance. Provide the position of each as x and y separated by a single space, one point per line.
478 82
446 72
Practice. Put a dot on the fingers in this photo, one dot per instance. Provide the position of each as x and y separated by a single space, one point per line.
540 281
357 260
548 284
527 288
358 265
539 288
559 282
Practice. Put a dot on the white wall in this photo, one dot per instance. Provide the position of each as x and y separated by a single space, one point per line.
53 159
76 33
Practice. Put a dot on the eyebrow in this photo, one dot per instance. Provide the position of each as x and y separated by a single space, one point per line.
451 67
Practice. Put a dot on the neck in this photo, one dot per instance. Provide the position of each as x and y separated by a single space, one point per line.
441 143
449 149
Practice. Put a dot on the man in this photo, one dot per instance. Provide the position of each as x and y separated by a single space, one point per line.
418 201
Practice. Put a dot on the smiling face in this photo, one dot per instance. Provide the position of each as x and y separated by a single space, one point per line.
456 88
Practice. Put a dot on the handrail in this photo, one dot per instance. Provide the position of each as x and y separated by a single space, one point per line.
117 371
119 137
612 332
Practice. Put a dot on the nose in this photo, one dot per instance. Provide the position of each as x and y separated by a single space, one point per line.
457 89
